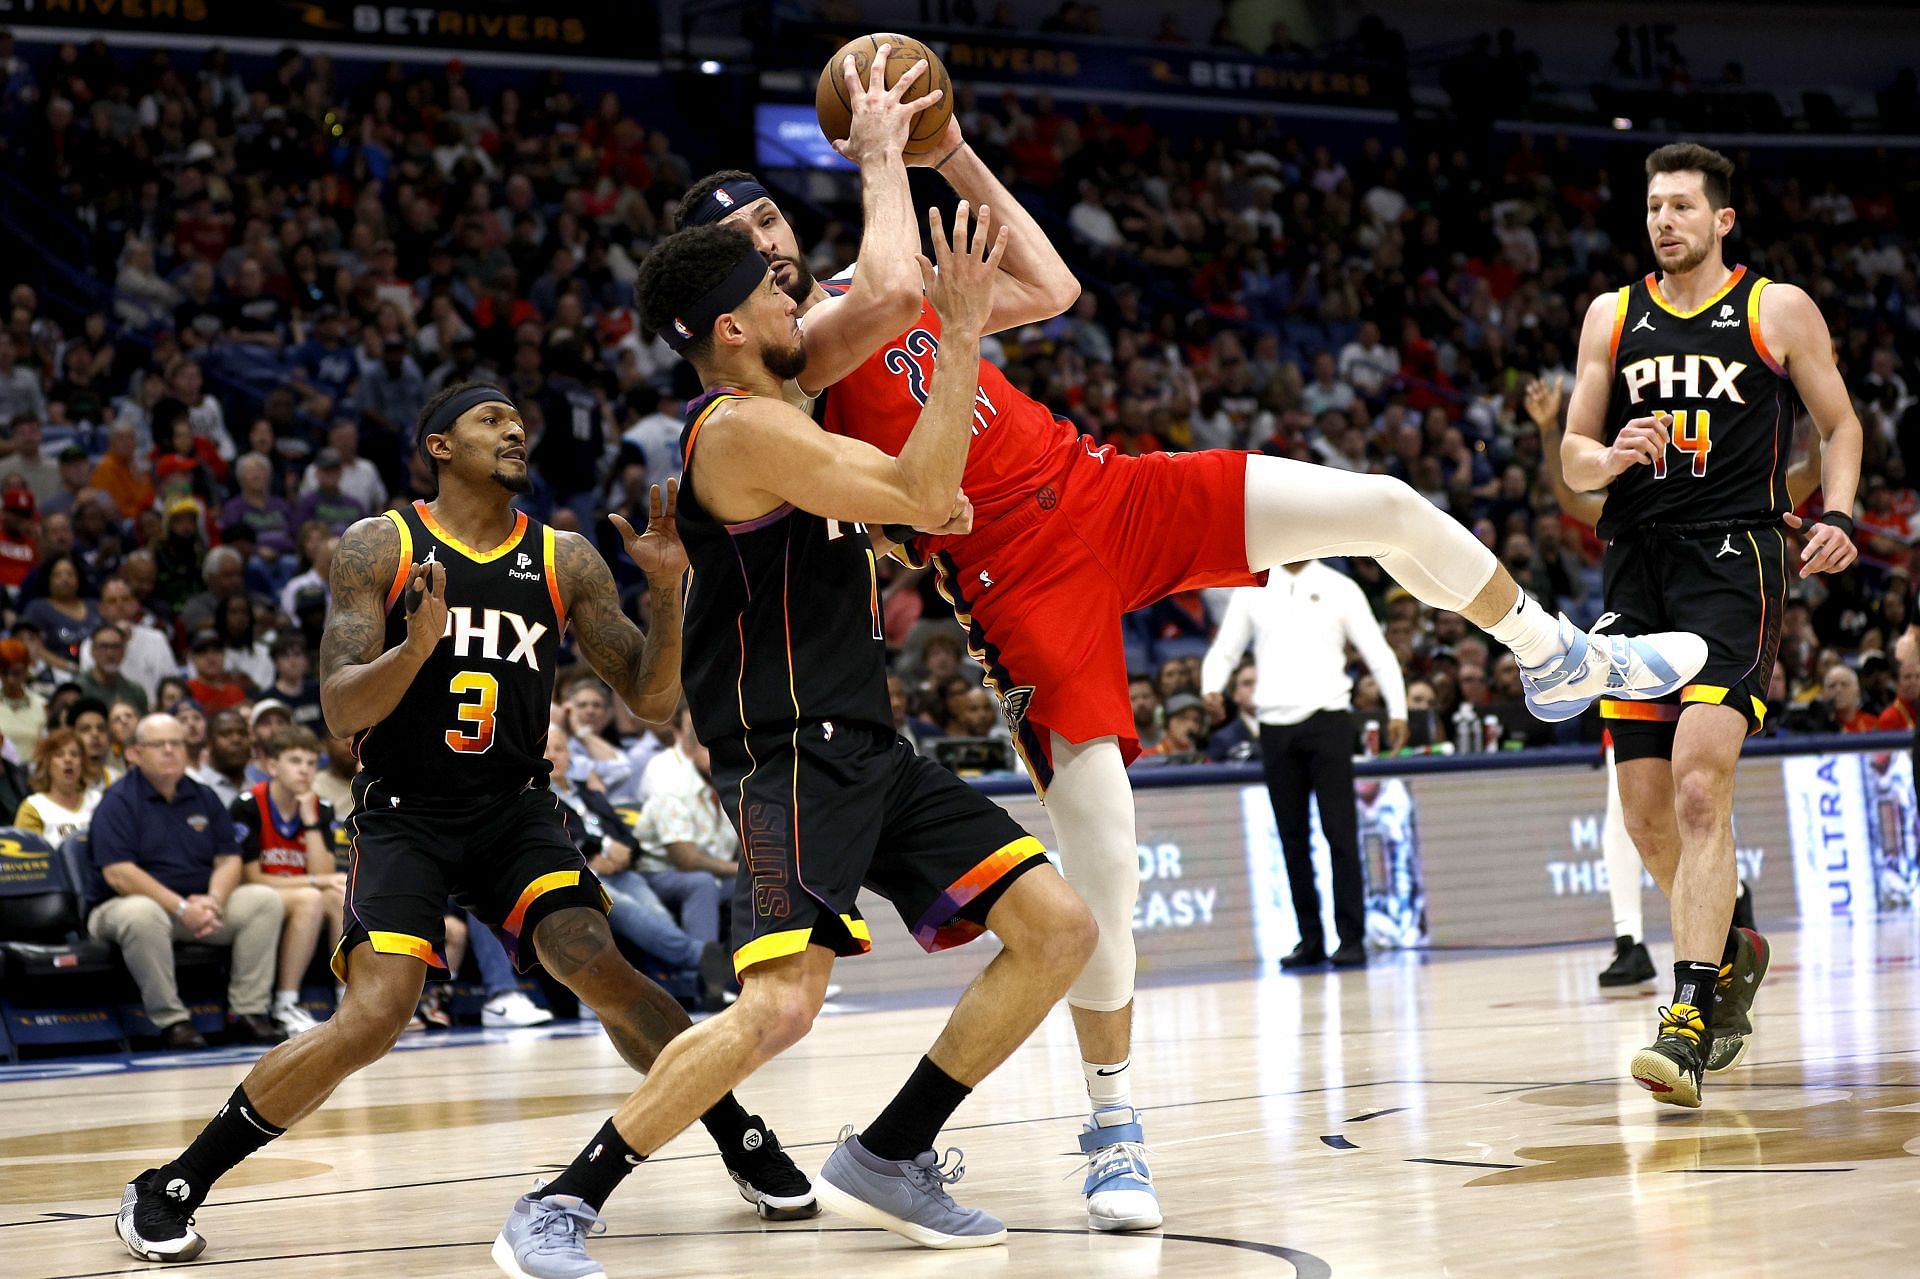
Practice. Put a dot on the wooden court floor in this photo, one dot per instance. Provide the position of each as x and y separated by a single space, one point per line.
1456 1116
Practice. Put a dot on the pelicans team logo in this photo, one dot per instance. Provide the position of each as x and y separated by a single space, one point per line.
1013 704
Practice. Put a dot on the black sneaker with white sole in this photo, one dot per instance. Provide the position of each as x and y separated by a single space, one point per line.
156 1225
767 1176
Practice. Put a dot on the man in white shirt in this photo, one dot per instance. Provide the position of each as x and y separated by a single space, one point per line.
1367 363
359 478
149 656
1299 625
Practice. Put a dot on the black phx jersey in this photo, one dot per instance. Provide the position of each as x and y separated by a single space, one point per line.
473 723
782 617
1730 407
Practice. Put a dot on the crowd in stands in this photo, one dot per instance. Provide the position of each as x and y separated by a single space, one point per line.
292 262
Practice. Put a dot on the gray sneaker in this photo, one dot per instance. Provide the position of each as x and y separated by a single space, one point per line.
908 1198
546 1238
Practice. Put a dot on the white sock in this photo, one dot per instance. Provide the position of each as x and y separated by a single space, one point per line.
1529 630
1622 861
1108 1083
285 998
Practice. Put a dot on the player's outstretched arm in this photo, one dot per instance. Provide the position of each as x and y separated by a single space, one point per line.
642 667
1798 336
360 684
756 452
1035 281
1543 406
885 296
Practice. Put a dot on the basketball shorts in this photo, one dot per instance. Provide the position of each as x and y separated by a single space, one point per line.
508 860
842 805
1041 589
1725 583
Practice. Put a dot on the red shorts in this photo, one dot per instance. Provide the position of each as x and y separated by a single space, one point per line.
1041 588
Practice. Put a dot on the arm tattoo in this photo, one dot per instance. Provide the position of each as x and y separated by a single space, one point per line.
364 565
642 667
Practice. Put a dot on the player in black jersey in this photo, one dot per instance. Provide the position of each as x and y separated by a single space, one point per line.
1681 412
786 678
446 693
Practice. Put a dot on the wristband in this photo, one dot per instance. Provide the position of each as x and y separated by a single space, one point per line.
311 826
1839 520
181 909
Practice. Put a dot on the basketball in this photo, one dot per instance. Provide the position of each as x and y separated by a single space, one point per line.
836 113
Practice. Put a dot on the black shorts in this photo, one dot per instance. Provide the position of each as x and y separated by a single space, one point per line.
507 860
844 805
1726 584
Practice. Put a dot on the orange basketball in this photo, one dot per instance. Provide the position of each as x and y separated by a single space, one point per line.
836 113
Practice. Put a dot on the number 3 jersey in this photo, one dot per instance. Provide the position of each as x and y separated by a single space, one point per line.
473 724
1730 405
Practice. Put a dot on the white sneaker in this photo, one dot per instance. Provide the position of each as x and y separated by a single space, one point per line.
292 1018
512 1011
1590 665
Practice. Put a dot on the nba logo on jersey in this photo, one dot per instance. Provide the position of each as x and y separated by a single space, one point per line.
721 197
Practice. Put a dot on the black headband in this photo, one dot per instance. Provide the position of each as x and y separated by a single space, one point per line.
447 414
696 321
721 201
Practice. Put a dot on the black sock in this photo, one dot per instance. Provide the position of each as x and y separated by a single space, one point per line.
229 1137
1693 984
1732 948
916 1114
597 1171
728 1124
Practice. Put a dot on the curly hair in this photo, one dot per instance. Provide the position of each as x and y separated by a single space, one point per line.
680 270
52 744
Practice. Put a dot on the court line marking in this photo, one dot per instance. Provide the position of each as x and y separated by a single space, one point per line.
1305 1265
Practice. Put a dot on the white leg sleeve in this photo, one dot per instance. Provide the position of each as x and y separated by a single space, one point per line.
1298 511
1091 804
1623 862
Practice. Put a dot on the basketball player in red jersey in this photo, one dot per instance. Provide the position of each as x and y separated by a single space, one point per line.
1068 535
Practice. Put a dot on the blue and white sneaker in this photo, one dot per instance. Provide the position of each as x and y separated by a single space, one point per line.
546 1238
908 1198
1590 666
1119 1185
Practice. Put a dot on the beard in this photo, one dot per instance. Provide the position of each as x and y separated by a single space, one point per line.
787 362
1692 256
521 483
802 285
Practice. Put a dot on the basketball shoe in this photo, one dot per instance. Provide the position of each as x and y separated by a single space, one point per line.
1591 665
1119 1185
1670 1067
907 1197
768 1178
546 1238
1733 1001
154 1224
1631 963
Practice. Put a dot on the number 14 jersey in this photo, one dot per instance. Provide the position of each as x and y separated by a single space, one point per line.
1730 401
473 723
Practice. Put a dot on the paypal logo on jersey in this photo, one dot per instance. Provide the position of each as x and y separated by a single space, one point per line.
913 359
523 569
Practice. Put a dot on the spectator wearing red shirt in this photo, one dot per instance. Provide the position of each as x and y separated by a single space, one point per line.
19 536
1903 713
210 684
1841 688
